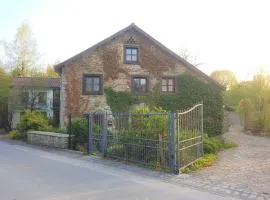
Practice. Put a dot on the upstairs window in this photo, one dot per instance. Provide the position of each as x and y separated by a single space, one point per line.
139 85
168 84
92 84
131 55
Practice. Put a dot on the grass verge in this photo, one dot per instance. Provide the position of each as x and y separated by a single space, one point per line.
212 145
205 161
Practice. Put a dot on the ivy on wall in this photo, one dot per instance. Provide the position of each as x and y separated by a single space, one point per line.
190 90
120 101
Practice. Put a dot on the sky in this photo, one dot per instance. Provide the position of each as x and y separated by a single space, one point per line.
221 34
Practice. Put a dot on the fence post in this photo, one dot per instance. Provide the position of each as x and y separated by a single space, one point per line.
69 131
104 133
90 133
202 151
171 143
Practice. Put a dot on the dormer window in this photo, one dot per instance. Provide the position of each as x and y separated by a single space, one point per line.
131 55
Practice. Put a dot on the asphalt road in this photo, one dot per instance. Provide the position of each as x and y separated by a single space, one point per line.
28 173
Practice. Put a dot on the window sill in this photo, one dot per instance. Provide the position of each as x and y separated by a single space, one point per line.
92 94
132 63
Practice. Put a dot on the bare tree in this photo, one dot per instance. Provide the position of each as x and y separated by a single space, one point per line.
224 77
29 97
188 56
21 54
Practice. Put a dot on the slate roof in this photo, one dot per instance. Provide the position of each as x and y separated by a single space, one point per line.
36 82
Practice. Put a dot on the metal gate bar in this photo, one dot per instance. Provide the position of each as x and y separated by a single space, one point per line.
189 128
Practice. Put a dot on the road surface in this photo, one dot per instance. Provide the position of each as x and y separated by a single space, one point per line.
29 173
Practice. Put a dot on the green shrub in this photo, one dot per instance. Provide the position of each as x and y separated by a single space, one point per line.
205 161
136 145
227 145
210 146
152 122
61 130
33 121
15 135
117 149
216 144
120 101
136 139
46 129
79 132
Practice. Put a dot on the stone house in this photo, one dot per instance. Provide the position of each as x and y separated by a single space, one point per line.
130 60
36 93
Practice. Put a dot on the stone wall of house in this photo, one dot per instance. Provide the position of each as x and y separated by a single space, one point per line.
50 139
109 61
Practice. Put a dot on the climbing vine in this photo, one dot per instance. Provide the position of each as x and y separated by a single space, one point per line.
120 101
110 59
190 90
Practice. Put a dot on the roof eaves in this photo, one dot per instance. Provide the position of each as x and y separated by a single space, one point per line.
36 82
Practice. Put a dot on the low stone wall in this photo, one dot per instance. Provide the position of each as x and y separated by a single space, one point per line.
50 139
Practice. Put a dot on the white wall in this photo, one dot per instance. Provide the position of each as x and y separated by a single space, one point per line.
15 119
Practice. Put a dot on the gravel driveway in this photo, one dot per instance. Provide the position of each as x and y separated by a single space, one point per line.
243 172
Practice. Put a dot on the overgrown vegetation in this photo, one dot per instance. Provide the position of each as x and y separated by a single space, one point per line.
120 101
15 135
31 121
251 99
206 161
190 91
4 93
79 130
4 82
211 146
216 144
143 138
21 60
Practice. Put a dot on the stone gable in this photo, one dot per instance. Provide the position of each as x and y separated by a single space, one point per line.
108 60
